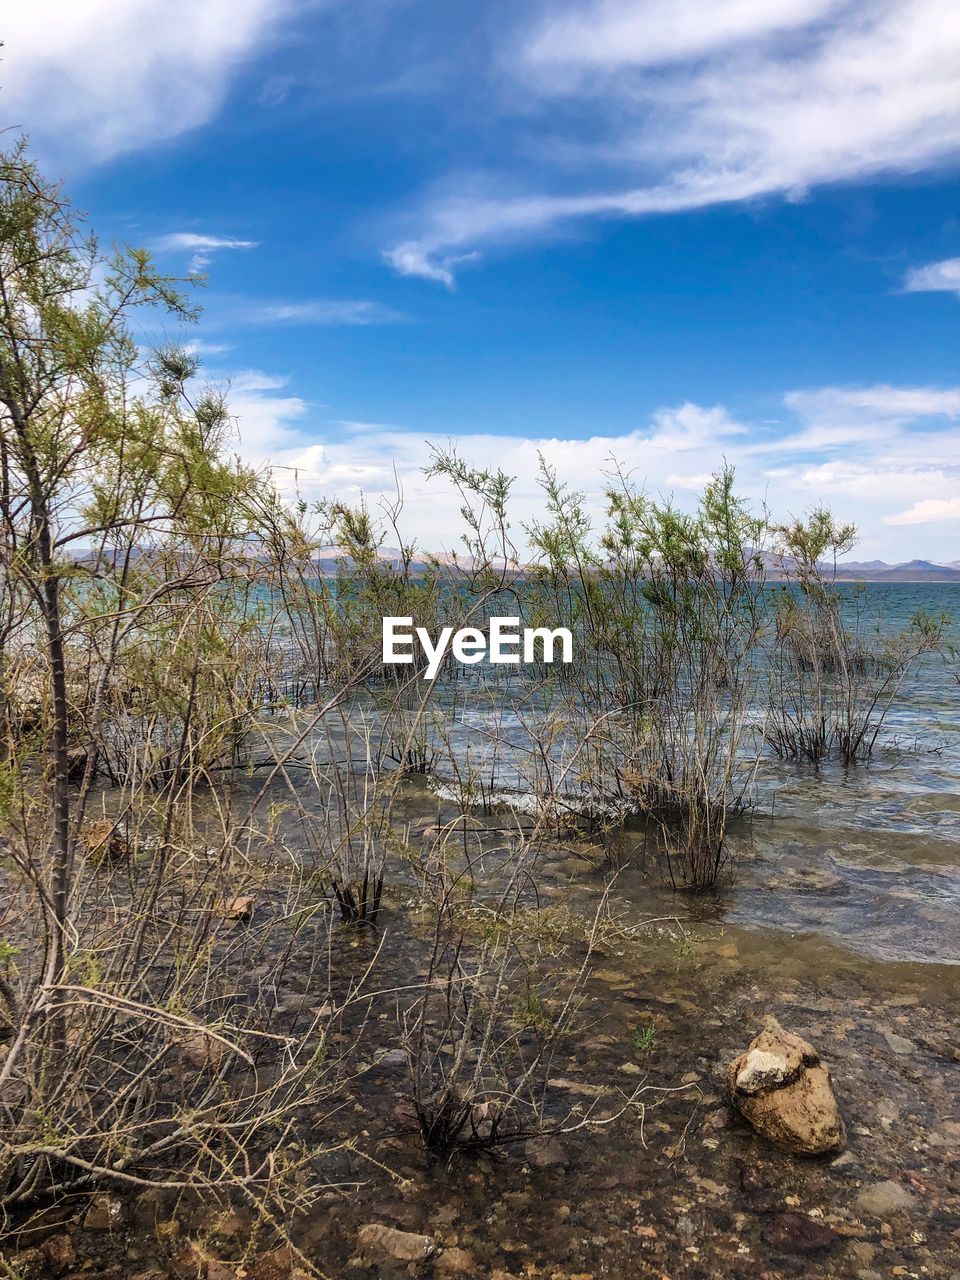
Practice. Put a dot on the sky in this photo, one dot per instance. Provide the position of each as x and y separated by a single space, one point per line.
665 233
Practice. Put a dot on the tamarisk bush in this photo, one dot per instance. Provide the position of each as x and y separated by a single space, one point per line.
669 609
138 1047
833 676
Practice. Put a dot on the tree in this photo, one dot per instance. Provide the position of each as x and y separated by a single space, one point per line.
106 460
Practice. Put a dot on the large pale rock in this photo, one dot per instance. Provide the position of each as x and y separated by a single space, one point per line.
239 909
404 1246
762 1071
783 1089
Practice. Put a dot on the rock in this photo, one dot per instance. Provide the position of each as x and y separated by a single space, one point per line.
762 1071
103 841
455 1262
168 1232
105 1213
221 1271
544 1152
277 1264
796 1233
861 1253
58 1253
899 1044
202 1051
392 1058
883 1198
190 1263
788 1096
218 1223
76 764
239 909
404 1246
847 1163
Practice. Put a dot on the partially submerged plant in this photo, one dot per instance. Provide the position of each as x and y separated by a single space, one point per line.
833 672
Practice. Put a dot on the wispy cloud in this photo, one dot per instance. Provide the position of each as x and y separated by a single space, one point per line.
618 33
318 311
202 348
96 79
412 259
200 247
671 106
870 406
935 277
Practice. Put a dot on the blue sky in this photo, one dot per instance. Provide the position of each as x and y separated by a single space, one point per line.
666 232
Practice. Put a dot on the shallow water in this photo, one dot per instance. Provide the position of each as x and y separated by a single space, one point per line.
866 856
842 920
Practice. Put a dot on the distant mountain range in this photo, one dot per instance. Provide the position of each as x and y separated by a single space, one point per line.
846 571
910 571
879 570
329 558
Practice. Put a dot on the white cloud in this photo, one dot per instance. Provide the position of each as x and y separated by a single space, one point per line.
661 107
266 417
411 259
320 311
929 511
879 402
200 247
202 348
935 277
617 33
91 80
902 446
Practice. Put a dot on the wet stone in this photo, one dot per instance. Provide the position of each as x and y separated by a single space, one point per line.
105 1213
796 1233
542 1153
885 1198
455 1262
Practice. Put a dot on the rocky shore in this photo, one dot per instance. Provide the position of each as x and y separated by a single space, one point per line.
685 1187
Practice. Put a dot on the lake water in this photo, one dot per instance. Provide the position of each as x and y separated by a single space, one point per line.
867 856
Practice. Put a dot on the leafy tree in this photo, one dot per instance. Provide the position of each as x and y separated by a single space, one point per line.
108 464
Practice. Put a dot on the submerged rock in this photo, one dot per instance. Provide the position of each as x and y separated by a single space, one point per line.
781 1087
884 1198
104 1213
797 1233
